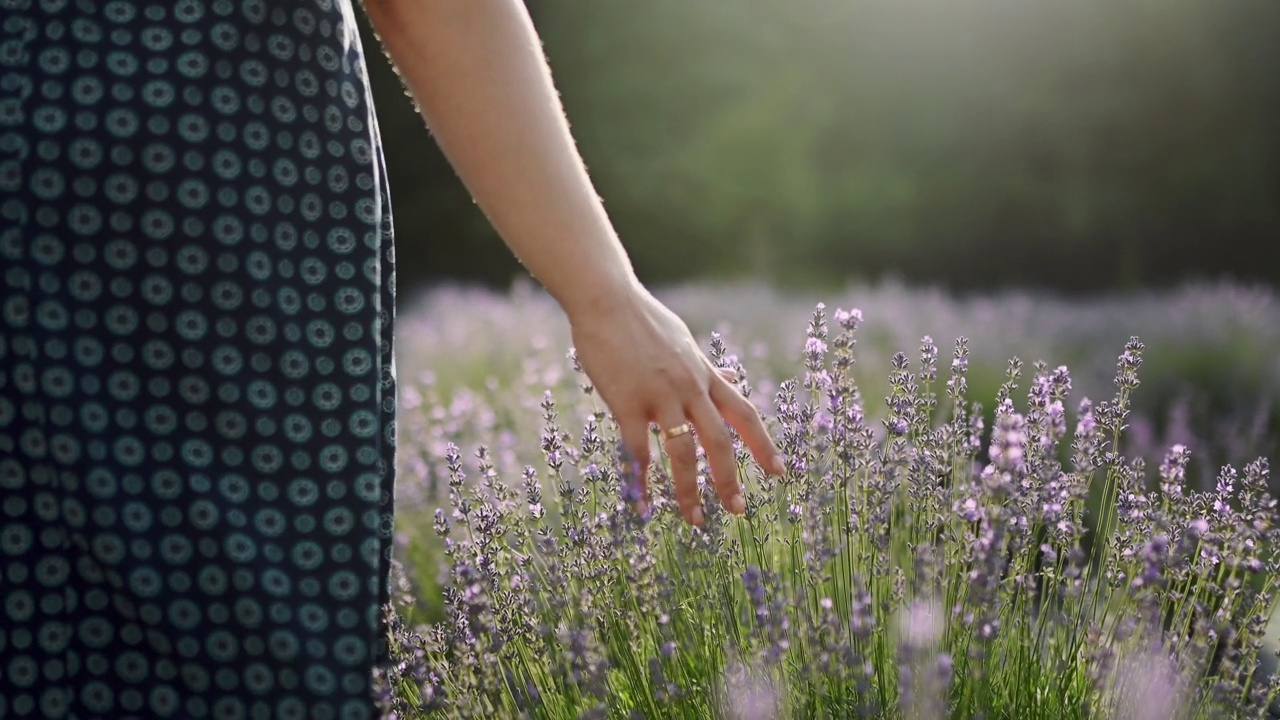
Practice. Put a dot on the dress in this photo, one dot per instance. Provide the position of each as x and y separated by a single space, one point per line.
197 394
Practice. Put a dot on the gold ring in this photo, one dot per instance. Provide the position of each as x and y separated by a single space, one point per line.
677 431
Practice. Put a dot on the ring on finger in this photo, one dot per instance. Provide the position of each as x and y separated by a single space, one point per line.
675 432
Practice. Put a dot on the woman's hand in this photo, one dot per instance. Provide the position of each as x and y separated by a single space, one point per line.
647 367
477 72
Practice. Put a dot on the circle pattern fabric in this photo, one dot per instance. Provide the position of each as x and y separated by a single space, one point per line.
196 383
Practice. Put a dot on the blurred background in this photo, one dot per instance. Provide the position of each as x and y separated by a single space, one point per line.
1043 177
1070 146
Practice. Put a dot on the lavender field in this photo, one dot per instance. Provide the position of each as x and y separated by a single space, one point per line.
959 535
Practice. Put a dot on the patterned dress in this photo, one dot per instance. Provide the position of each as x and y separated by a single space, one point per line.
196 383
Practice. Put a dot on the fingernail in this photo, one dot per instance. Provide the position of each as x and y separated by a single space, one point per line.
779 465
737 505
695 516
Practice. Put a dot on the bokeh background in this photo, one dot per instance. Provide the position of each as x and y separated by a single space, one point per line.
1043 177
1070 146
1046 178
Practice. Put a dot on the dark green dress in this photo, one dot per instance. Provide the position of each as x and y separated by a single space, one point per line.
196 384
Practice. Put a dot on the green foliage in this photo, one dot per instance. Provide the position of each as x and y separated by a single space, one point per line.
852 138
1079 144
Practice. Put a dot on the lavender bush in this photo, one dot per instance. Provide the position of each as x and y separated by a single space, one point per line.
1211 380
906 566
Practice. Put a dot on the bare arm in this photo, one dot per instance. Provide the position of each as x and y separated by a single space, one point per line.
476 69
477 72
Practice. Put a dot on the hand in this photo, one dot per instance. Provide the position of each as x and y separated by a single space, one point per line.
647 367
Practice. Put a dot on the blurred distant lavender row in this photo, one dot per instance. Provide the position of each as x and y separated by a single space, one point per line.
1211 380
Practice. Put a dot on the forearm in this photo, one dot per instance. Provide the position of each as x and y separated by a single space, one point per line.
477 72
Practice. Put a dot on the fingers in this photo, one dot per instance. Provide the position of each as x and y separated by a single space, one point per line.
635 438
718 445
707 412
682 453
744 418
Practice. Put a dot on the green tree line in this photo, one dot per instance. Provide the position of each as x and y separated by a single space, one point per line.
1071 144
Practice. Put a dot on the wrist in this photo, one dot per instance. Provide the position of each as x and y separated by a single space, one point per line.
593 295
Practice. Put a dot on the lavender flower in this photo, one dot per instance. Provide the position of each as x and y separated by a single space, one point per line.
908 563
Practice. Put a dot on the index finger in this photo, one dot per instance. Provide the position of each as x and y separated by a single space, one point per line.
744 418
719 448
